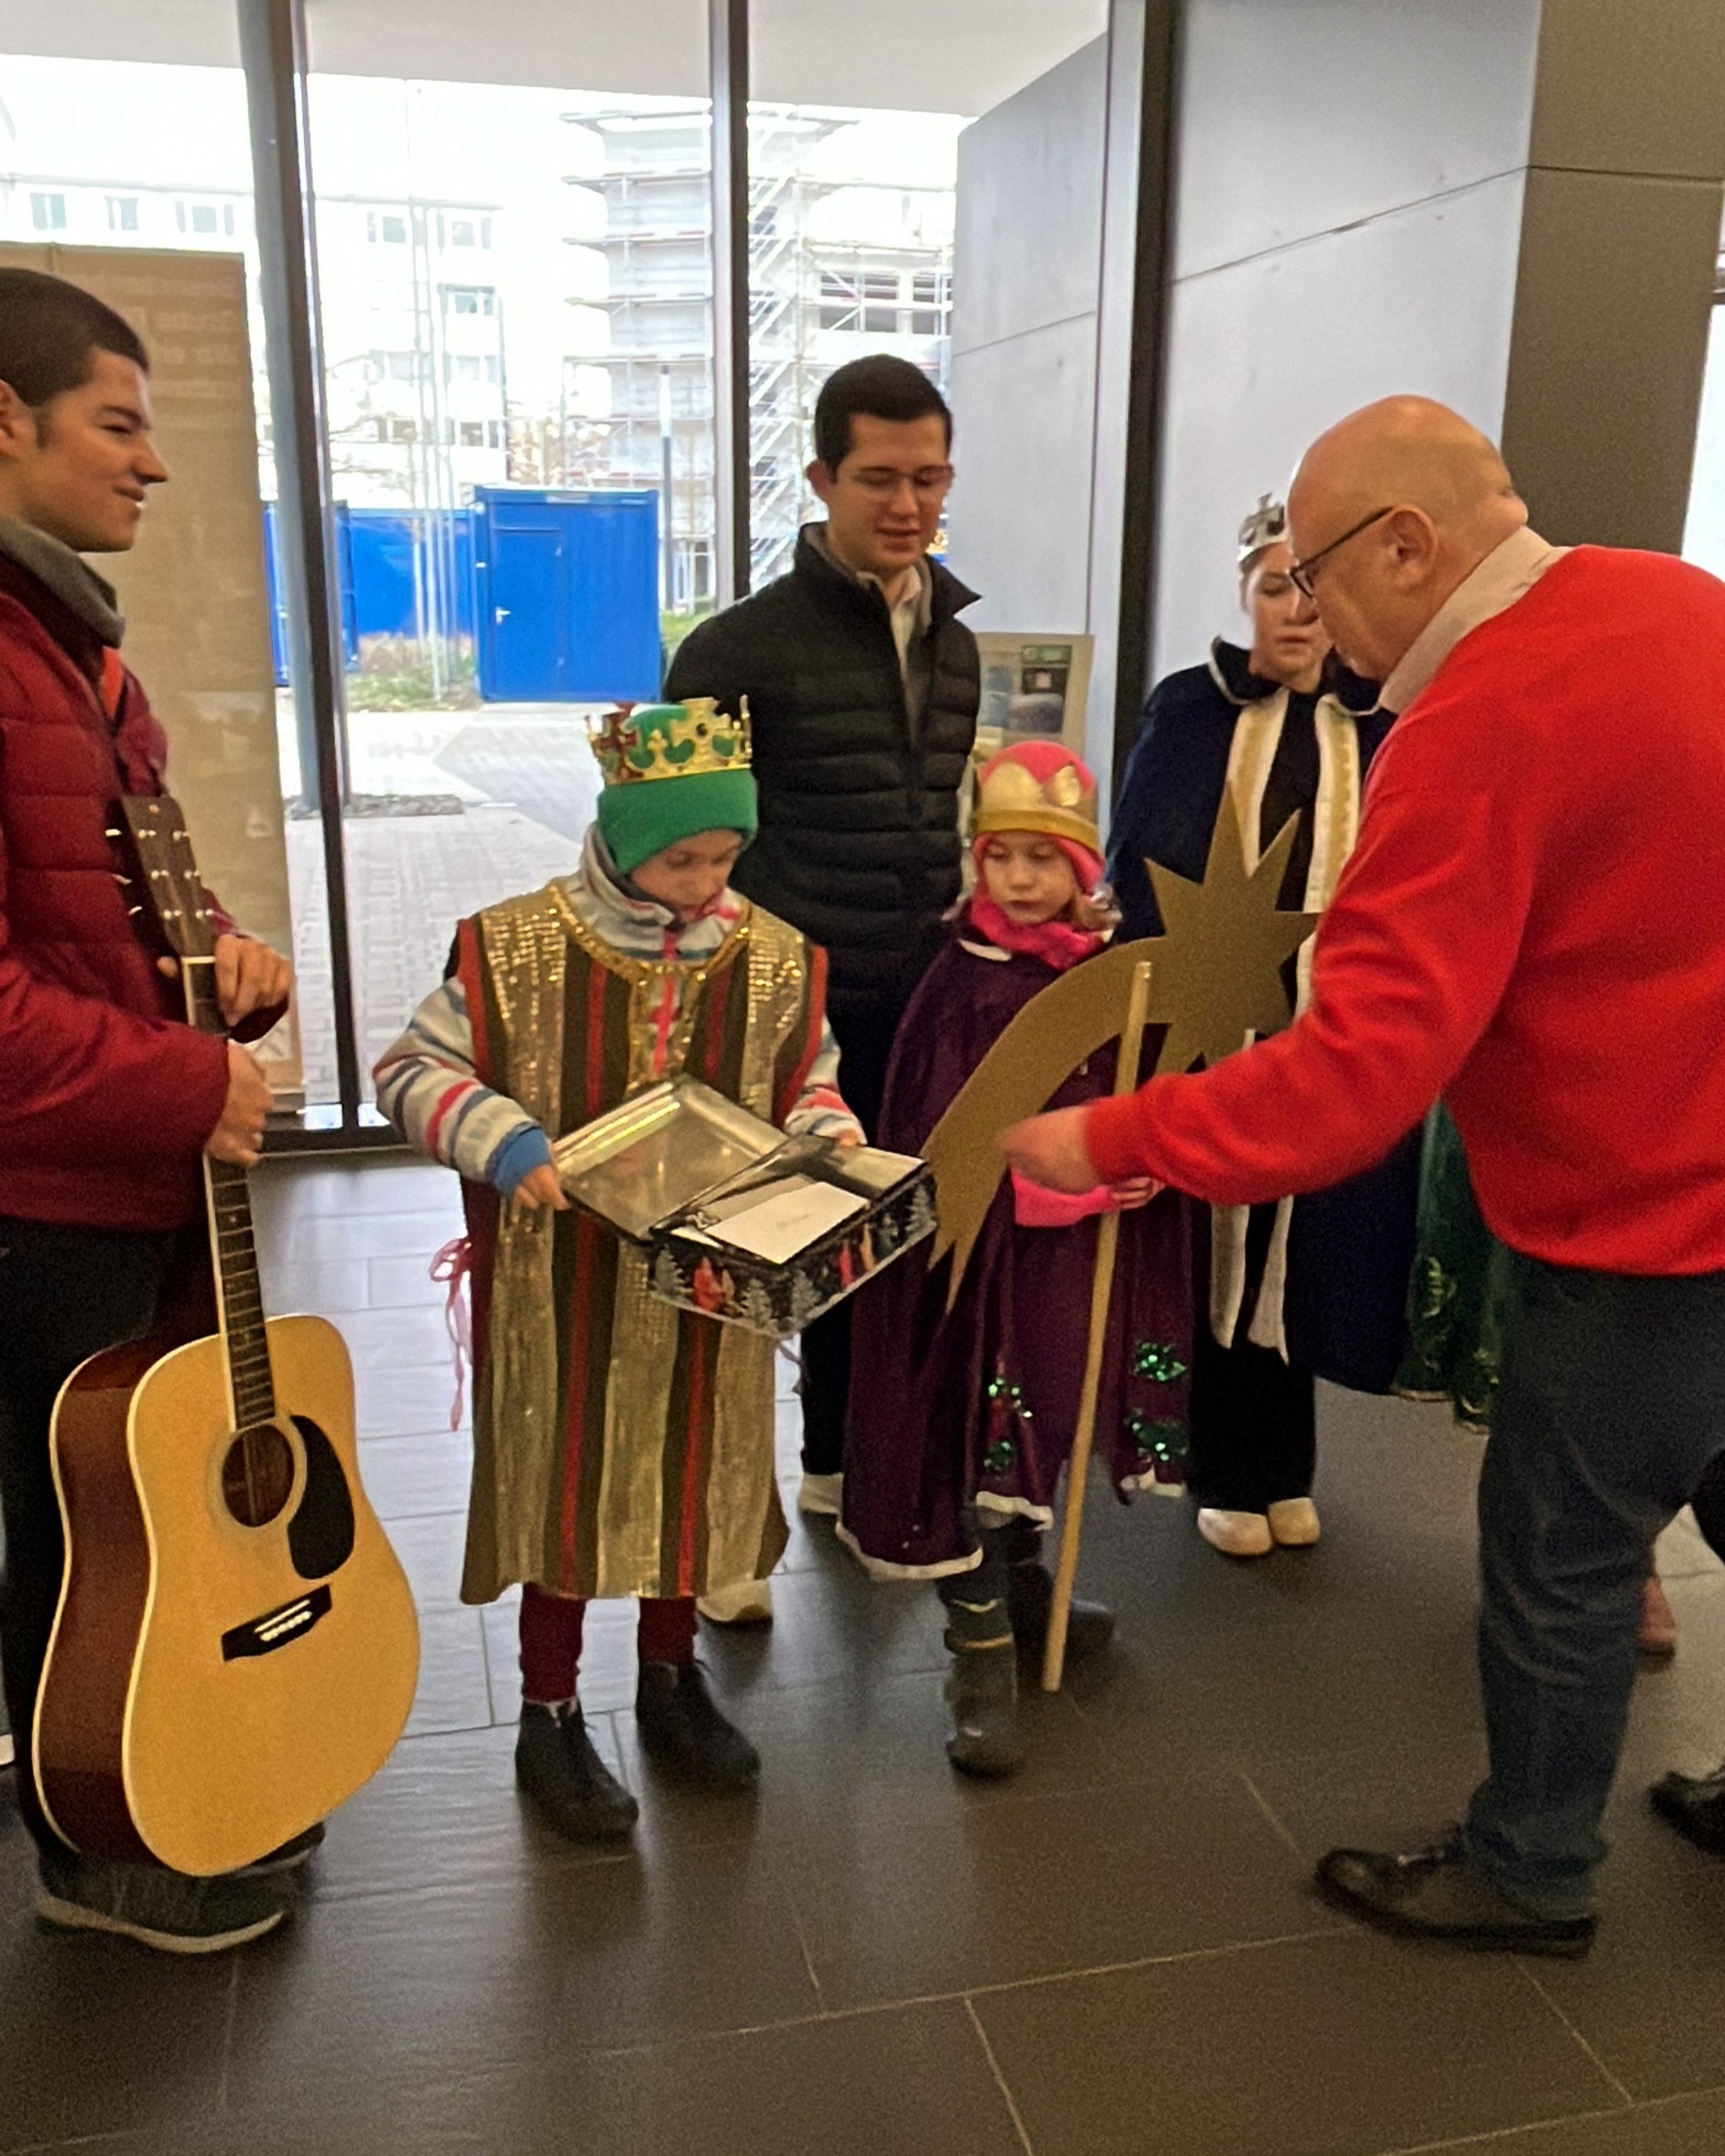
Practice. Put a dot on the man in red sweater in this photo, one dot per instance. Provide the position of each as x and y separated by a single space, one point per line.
1531 926
108 1098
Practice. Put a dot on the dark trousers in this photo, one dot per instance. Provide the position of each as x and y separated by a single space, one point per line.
65 1292
1252 1426
864 1038
1253 1418
1610 1417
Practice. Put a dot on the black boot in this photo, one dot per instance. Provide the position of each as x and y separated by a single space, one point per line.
1030 1592
982 1685
1694 1805
576 1793
683 1732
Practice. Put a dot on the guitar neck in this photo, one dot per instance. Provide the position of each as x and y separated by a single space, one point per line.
232 1245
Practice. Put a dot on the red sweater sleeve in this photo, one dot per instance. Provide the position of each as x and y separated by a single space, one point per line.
1411 961
81 1081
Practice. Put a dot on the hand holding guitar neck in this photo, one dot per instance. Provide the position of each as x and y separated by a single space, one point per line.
239 1137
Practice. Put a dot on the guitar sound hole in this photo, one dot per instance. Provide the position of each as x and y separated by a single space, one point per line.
257 1475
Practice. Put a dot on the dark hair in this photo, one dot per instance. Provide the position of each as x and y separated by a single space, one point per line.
880 386
49 331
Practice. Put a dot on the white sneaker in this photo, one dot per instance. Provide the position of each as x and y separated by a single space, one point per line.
1235 1534
1294 1521
749 1602
820 1494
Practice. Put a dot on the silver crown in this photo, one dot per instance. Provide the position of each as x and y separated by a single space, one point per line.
1266 526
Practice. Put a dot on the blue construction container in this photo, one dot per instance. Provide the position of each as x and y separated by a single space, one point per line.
278 603
566 595
412 571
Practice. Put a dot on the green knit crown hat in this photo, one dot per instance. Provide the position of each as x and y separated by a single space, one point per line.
672 771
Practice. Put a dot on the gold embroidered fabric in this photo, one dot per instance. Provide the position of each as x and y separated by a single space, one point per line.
516 1438
529 945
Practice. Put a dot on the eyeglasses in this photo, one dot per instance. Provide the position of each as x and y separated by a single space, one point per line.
928 485
1300 573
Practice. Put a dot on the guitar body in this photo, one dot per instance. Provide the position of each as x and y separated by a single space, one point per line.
214 1687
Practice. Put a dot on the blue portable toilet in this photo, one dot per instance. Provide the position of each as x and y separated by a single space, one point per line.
566 595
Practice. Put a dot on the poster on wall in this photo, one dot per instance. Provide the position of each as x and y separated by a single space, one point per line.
193 590
1033 688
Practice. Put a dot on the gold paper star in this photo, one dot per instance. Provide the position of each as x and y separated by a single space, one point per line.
1216 975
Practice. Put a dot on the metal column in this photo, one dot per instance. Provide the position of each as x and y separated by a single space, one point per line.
727 58
273 51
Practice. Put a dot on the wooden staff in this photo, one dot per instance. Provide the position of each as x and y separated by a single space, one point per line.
1101 1293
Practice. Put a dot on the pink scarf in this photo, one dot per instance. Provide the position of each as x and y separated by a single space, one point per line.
1057 943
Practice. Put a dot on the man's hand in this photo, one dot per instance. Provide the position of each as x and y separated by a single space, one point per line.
1051 1150
1136 1191
541 1186
249 976
239 1137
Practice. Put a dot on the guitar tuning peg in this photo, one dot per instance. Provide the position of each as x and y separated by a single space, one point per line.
110 833
133 911
119 878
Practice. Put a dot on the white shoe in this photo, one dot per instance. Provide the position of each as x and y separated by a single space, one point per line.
1293 1523
1235 1534
8 1752
820 1494
750 1602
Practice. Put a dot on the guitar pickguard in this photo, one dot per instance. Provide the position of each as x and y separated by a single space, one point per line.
320 1534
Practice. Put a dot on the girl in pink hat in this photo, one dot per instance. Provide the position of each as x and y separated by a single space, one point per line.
961 1421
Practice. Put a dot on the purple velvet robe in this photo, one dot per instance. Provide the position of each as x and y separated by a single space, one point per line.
982 1403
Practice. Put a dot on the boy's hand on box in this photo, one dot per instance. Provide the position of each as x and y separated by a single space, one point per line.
540 1186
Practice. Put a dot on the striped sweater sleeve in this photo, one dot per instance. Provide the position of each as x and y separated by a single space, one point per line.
428 1089
820 1111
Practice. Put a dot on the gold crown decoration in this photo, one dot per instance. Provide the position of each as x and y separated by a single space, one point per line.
1010 797
642 741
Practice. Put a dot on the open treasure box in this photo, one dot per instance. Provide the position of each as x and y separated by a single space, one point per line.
738 1220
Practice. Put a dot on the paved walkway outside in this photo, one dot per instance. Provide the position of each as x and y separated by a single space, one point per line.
519 781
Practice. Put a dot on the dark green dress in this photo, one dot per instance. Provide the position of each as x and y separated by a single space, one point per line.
1463 1289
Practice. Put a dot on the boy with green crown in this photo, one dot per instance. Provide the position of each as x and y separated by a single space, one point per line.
621 1446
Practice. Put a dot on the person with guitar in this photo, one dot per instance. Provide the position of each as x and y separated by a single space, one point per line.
110 1098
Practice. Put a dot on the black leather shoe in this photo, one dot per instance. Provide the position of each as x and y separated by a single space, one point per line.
1694 1805
574 1789
1030 1593
1440 1893
683 1732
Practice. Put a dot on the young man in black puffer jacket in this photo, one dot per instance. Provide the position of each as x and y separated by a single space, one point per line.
863 687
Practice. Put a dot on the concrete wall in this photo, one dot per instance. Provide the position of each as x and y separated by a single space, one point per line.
1510 207
1025 285
1350 178
1618 237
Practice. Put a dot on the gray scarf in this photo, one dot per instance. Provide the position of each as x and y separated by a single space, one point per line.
68 576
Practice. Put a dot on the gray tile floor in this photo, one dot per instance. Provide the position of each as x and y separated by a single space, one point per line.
1117 1951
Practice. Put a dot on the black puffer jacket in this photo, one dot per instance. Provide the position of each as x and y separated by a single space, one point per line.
859 844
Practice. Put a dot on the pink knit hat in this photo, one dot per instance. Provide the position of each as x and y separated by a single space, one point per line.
1041 787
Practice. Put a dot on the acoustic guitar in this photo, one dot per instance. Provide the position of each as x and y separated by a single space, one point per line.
235 1649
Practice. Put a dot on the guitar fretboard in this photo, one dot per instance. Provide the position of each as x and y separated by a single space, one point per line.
233 1246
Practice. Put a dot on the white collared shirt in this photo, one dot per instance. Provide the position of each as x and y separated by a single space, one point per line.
1507 573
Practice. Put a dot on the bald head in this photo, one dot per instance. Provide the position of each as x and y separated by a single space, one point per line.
1440 499
1407 449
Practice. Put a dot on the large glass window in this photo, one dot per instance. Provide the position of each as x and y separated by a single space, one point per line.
513 228
855 216
1704 532
133 175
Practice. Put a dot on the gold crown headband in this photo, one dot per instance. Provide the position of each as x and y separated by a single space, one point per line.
643 741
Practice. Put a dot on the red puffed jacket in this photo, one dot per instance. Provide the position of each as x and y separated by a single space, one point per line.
106 1096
